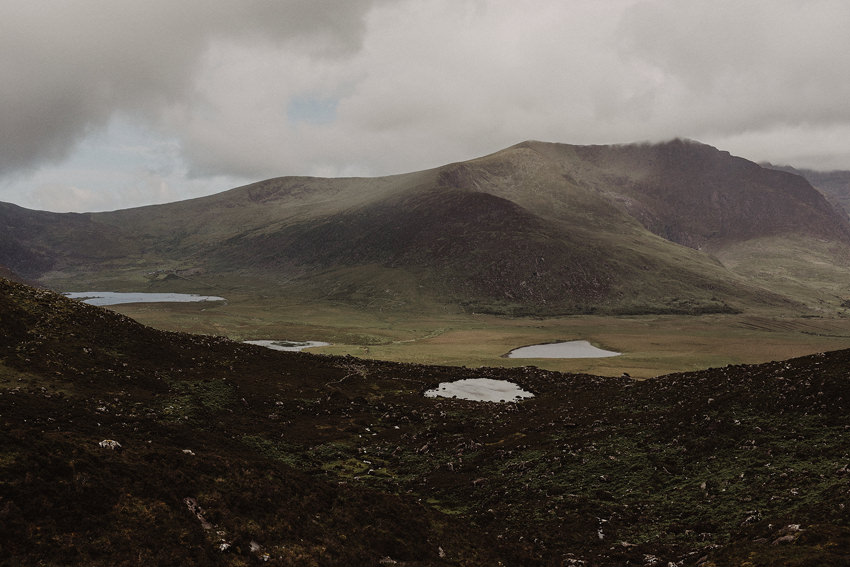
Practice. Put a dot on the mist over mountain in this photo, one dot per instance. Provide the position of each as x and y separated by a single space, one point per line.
537 228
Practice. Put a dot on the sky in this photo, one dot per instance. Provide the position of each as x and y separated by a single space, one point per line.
109 105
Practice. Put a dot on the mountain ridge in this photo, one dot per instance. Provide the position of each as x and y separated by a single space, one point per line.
536 228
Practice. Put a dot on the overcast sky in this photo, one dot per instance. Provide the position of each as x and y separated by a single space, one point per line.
113 104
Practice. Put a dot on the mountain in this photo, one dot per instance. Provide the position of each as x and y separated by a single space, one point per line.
834 184
537 228
124 445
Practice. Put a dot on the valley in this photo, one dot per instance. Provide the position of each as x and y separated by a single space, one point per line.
152 433
651 344
539 230
679 255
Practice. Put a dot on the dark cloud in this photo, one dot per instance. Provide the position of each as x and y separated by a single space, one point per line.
69 66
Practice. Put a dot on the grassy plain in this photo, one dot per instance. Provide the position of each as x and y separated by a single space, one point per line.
652 345
384 314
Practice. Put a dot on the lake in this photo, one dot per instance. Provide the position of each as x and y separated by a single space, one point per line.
289 346
569 349
102 298
480 390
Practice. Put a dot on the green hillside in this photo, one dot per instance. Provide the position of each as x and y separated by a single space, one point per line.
536 229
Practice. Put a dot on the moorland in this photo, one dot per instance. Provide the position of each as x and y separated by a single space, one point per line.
716 438
125 445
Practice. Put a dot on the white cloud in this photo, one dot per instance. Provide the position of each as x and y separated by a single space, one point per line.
804 146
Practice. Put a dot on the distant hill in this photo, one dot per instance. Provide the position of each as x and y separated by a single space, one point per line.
834 184
124 445
537 228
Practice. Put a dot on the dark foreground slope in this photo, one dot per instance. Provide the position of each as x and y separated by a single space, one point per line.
338 461
10 275
197 480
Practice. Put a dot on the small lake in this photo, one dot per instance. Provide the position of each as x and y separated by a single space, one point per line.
569 349
480 390
102 298
289 346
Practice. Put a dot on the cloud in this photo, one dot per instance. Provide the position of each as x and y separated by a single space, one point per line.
68 66
744 65
123 165
821 148
432 82
243 90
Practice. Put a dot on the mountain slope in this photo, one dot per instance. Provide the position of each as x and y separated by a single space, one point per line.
834 184
334 460
698 196
536 228
193 481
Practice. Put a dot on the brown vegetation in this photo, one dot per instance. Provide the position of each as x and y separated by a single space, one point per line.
317 460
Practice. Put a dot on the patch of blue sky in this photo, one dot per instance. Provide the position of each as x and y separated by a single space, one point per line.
309 109
127 144
125 164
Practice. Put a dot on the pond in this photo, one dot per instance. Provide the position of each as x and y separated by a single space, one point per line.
289 346
480 390
569 349
102 298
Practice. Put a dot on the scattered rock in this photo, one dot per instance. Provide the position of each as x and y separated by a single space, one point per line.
788 534
111 444
195 509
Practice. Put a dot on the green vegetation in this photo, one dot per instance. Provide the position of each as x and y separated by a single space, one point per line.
651 344
536 230
197 400
644 249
